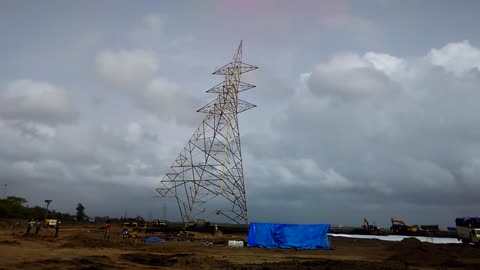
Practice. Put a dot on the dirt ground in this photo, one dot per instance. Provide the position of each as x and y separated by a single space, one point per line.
82 247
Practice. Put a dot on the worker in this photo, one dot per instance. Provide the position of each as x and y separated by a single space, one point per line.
38 225
125 233
57 227
29 226
106 227
134 231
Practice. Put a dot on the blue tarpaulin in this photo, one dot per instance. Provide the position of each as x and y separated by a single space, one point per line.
153 239
268 235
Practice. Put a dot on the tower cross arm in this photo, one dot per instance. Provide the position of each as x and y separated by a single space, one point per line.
234 67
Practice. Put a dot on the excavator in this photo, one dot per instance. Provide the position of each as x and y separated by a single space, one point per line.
367 228
398 226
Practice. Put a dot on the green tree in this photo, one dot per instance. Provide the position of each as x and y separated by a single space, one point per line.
13 207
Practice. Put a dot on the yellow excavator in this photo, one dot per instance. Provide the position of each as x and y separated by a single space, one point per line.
398 226
367 227
130 229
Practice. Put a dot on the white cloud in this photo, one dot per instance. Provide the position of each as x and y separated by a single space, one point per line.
308 169
36 101
168 101
42 169
350 76
134 132
385 62
134 71
127 69
457 57
266 85
150 29
154 21
424 136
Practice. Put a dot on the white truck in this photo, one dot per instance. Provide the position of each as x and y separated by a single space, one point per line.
468 229
51 222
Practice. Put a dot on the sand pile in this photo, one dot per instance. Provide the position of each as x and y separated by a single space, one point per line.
411 251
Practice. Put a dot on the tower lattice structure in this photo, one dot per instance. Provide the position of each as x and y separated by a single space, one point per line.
207 176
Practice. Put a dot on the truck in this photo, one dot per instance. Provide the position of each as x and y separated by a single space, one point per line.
51 222
468 229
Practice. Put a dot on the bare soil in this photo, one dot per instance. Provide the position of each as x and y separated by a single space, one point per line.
83 247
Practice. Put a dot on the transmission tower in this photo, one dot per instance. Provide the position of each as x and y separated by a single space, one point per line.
208 172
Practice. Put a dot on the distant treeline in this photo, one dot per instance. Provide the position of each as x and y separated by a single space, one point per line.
15 207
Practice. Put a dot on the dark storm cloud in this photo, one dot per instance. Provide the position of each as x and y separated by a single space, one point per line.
343 128
418 147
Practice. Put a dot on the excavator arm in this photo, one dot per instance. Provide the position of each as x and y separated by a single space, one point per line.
397 221
365 223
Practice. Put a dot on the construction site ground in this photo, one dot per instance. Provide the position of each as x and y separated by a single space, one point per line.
82 247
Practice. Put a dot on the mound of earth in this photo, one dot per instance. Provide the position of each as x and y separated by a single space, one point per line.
411 251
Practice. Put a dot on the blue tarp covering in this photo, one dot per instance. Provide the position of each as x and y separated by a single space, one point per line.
153 239
268 235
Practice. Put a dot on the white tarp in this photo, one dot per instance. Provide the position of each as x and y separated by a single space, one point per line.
435 240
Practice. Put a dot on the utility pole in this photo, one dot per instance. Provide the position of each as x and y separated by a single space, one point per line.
5 191
46 212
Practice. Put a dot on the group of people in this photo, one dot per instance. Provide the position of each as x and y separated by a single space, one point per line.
38 225
130 230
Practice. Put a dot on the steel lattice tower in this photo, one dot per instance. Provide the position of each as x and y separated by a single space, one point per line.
208 172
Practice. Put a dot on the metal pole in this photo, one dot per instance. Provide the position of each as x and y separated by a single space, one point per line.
5 191
46 212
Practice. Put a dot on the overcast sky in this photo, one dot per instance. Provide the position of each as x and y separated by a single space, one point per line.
365 108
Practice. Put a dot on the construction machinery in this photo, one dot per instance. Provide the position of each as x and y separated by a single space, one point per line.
430 230
414 229
158 223
198 225
468 229
157 226
51 222
369 228
398 226
130 229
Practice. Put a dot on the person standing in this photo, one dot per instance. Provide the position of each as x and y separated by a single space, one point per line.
57 227
29 226
106 227
38 224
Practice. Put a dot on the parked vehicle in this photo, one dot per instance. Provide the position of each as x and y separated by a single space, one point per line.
468 229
